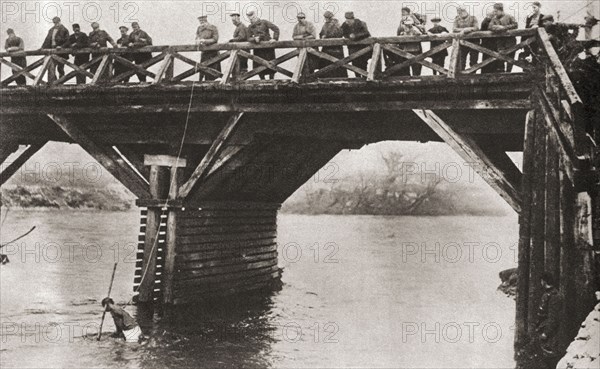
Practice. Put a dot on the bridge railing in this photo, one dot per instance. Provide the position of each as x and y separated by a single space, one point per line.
377 58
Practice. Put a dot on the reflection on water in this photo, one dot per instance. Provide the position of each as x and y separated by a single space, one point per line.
358 292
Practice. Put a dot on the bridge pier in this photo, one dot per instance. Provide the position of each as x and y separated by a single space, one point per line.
195 251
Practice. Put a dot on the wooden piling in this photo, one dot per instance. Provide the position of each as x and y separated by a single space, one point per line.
552 185
159 187
521 333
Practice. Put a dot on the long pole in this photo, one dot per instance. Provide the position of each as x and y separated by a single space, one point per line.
109 290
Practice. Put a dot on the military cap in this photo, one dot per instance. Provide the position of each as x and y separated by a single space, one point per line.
328 14
10 30
436 19
251 13
234 14
547 17
55 19
203 17
537 3
76 25
499 6
349 15
301 15
126 29
135 24
406 9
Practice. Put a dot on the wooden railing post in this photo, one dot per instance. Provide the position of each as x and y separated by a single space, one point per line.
375 66
455 67
232 68
300 65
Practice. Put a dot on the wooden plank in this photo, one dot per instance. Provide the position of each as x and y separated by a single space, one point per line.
536 254
278 60
558 67
333 59
521 316
375 62
299 68
566 130
108 158
567 256
159 182
176 178
346 60
470 151
497 55
454 68
552 241
9 170
25 71
73 74
137 68
230 69
268 64
238 269
234 257
412 59
165 161
225 253
210 238
75 68
17 68
211 156
42 71
160 76
225 246
223 279
197 231
101 69
488 61
221 222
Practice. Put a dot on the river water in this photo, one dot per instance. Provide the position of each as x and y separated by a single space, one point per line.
359 291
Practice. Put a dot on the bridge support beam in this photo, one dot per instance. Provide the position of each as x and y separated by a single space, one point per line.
10 169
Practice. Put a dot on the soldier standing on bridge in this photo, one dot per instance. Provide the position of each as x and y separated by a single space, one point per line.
464 23
57 36
305 30
533 20
16 44
356 30
259 31
240 35
548 322
332 29
489 43
206 35
500 23
123 42
98 39
437 29
137 39
78 40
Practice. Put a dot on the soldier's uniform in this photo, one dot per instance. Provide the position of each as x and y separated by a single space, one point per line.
261 29
78 40
120 68
57 36
332 29
210 33
101 38
360 31
489 43
411 47
21 61
505 43
306 31
140 38
240 34
439 58
469 21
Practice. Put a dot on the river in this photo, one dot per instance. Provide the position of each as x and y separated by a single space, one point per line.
359 291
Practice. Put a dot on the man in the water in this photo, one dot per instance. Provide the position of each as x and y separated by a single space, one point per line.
126 325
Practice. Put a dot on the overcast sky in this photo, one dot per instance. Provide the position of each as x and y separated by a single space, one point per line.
174 22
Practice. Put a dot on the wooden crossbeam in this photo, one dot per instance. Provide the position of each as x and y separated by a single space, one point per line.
74 73
136 67
333 59
375 58
472 153
412 59
496 55
346 60
211 156
203 67
486 62
268 64
160 76
25 71
106 156
262 68
101 69
231 67
302 58
76 69
42 71
14 166
17 68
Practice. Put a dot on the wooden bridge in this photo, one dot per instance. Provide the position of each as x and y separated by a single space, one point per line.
212 161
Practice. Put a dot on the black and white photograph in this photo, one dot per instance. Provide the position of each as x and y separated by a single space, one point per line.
300 184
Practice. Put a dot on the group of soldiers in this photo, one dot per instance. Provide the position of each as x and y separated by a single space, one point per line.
261 30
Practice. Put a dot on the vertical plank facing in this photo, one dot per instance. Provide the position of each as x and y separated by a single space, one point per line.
536 254
552 233
521 333
176 178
